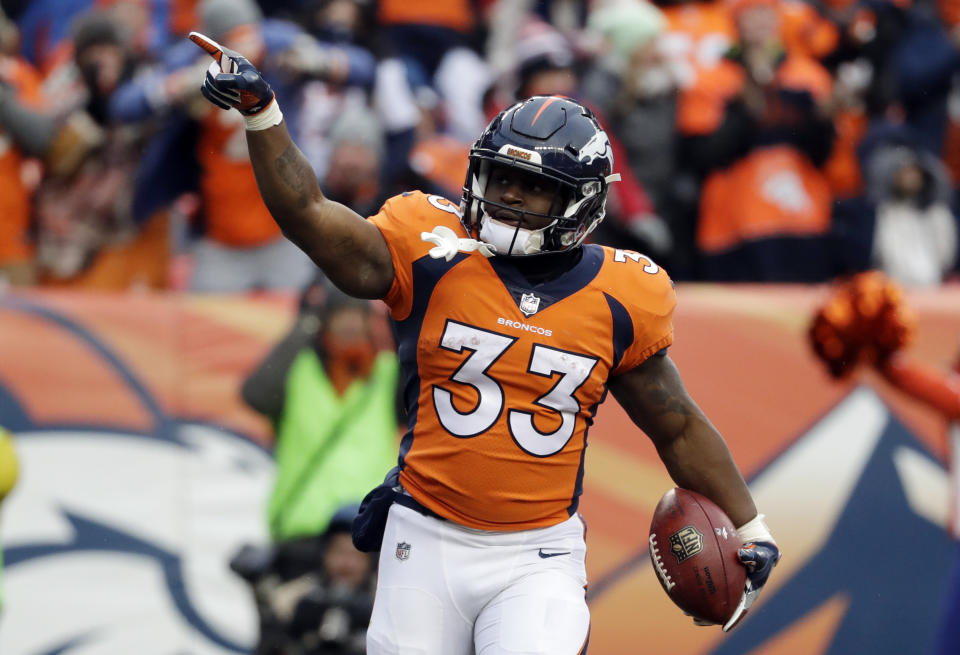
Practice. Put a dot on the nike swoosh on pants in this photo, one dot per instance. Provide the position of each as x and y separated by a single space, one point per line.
546 555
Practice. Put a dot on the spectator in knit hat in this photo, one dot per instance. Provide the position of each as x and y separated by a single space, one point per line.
632 84
903 224
85 231
357 150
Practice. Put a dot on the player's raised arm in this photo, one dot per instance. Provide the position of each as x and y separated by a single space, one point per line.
698 459
350 250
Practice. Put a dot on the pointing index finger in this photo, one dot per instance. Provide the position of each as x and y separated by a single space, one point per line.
212 48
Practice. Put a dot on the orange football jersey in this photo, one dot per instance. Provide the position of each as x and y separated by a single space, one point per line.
503 378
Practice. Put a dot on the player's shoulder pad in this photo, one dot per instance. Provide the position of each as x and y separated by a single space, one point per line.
637 282
405 218
425 211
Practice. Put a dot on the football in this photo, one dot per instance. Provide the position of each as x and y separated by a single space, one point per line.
693 547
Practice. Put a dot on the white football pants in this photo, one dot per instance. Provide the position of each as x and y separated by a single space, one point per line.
444 589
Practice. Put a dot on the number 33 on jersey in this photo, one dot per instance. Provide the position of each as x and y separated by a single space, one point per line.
502 378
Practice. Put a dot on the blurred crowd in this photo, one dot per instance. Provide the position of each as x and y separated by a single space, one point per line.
759 140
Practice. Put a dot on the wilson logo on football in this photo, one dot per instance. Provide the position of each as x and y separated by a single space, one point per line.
685 543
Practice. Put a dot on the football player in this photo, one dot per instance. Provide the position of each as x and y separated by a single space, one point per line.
510 332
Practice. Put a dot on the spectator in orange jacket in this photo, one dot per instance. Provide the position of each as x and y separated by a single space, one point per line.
85 232
765 205
240 247
29 132
20 137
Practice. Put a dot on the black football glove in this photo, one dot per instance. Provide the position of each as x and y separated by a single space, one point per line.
759 557
232 81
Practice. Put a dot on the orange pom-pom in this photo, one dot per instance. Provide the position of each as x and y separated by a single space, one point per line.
864 321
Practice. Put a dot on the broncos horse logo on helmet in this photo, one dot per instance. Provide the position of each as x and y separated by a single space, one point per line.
554 137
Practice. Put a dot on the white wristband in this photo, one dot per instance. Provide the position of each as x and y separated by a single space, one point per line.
266 117
755 530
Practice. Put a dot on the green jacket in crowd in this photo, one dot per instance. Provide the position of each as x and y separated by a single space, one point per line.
331 450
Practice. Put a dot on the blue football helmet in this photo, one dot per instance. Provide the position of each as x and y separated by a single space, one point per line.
557 138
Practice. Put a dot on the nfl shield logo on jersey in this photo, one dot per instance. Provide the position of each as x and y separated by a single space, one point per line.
529 304
403 551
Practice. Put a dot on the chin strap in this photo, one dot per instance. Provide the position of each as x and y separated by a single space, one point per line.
447 244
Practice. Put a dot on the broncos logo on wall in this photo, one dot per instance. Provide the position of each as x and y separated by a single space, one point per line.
118 541
122 540
869 500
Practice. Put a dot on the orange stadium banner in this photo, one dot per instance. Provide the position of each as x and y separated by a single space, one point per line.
142 472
